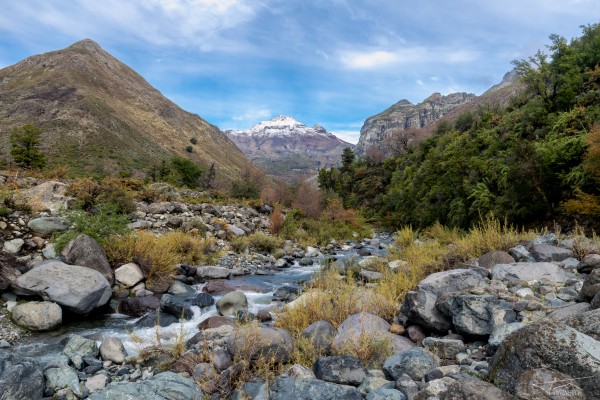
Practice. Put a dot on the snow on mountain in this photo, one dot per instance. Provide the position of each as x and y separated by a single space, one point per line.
281 126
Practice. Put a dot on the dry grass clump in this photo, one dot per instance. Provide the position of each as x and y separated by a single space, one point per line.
258 241
371 350
158 256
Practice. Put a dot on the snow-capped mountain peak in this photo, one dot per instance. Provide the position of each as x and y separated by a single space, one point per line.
281 126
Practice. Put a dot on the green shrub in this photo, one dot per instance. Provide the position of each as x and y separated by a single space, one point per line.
104 221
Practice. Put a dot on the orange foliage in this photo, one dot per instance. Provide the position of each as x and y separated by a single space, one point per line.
277 219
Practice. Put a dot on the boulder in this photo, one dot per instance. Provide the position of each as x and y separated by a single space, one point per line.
357 326
154 318
112 349
477 315
46 226
371 383
47 196
286 388
569 311
222 286
549 253
343 370
76 288
216 322
520 254
528 271
10 269
502 332
591 285
444 348
300 371
97 382
285 294
475 389
13 246
231 303
587 323
545 383
320 333
164 386
420 305
37 316
63 377
78 346
138 306
86 252
589 263
181 289
253 342
235 231
255 390
407 386
385 393
129 275
175 306
207 273
203 300
414 362
492 258
548 344
20 377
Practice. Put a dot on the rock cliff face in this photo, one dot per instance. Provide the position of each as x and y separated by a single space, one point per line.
286 148
99 115
405 116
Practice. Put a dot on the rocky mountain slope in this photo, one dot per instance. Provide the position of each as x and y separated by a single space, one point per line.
100 116
417 121
287 148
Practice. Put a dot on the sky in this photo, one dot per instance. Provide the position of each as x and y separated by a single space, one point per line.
328 62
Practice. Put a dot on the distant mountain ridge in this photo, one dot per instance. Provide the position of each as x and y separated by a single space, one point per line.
289 149
419 120
100 116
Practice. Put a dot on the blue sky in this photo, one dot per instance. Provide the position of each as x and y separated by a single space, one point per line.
331 62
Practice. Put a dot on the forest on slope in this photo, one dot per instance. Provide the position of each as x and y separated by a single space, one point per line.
535 160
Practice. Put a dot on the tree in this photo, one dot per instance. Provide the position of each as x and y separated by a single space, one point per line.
347 158
188 172
25 143
398 141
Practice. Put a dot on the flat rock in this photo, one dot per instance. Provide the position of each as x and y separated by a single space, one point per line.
129 275
343 370
211 272
46 226
549 253
544 383
492 258
587 323
527 271
286 388
76 288
164 386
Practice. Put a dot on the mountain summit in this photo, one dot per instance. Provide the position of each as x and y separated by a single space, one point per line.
100 116
289 149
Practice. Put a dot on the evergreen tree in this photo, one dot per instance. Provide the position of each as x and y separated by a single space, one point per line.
25 149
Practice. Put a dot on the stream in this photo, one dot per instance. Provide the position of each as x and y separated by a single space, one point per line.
44 346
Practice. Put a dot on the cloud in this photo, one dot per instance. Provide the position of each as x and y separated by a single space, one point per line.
256 114
380 59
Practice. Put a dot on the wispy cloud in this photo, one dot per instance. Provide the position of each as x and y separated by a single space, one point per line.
253 115
348 136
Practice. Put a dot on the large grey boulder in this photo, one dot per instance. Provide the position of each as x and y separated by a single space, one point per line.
13 246
286 388
320 333
38 315
20 377
175 306
46 226
444 348
343 370
254 342
589 263
48 196
477 315
475 389
78 346
112 349
63 377
545 383
231 303
385 393
502 332
587 323
492 258
358 326
85 251
211 272
420 305
569 311
591 285
415 363
528 271
129 275
548 344
138 306
164 386
76 288
549 253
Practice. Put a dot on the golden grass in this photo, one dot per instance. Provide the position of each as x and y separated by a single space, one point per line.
158 256
257 241
332 298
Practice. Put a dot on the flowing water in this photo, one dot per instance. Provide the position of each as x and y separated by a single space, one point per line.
45 346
